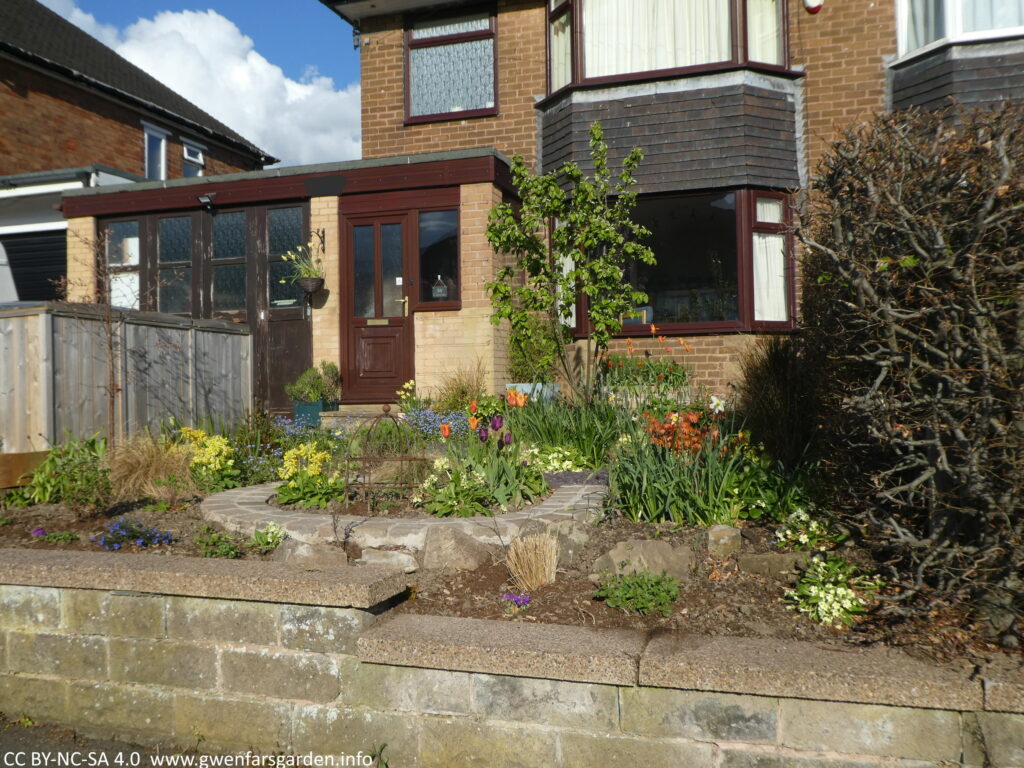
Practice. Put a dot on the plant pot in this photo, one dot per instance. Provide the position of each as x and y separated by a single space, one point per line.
309 412
310 284
536 390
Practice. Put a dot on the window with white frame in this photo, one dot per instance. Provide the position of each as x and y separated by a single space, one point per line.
451 67
193 160
925 22
122 269
155 149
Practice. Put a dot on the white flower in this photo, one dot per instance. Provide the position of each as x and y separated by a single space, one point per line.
717 405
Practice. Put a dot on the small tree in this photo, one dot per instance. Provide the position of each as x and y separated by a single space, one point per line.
914 308
571 235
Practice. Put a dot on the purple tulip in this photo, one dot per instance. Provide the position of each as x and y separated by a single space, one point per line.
497 421
507 438
484 434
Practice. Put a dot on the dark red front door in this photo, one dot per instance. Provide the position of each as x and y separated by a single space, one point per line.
376 322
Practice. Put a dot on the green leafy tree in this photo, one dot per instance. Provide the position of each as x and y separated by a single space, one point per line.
570 235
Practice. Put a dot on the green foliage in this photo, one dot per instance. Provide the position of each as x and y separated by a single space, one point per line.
72 473
632 372
453 489
125 531
832 591
305 489
532 351
589 430
268 538
214 544
801 531
316 383
592 241
644 593
459 387
6 520
59 537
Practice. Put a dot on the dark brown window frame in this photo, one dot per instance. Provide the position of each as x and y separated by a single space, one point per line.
491 33
746 226
103 290
738 60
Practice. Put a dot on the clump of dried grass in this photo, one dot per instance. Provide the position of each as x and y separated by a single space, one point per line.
532 561
148 467
460 386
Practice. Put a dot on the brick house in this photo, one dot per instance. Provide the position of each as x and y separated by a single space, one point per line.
74 114
733 102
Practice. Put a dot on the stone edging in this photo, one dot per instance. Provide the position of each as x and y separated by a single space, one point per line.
760 667
242 510
362 587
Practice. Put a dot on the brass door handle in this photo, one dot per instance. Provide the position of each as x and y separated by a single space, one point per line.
405 305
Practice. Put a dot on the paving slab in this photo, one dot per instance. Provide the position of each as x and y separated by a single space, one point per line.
771 667
552 651
1004 684
362 587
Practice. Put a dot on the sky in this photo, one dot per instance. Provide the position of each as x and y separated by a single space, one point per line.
282 74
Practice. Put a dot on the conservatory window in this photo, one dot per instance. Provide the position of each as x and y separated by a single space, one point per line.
924 22
122 245
451 67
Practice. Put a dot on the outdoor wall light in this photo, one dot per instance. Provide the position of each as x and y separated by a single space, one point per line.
207 200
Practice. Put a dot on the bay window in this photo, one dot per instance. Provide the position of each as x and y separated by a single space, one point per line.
450 67
723 263
926 22
622 38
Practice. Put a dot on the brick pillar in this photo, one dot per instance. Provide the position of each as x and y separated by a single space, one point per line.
323 214
82 246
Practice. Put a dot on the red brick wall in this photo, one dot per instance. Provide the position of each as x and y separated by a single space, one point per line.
47 123
521 42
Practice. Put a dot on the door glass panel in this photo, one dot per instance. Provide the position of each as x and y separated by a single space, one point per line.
175 291
229 287
439 256
124 289
175 239
364 283
391 269
284 229
283 292
229 235
123 243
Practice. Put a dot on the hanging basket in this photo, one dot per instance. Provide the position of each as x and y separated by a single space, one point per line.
310 284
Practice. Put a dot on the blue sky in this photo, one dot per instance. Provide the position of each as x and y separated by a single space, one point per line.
282 74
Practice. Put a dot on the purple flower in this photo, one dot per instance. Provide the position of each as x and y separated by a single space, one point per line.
497 421
520 601
507 438
483 434
38 532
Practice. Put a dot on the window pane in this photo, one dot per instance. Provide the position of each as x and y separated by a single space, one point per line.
561 51
284 229
286 294
764 31
439 256
981 15
229 287
422 30
229 235
190 170
925 22
451 78
124 290
123 243
175 239
769 277
654 34
364 283
694 241
391 269
175 290
769 210
154 157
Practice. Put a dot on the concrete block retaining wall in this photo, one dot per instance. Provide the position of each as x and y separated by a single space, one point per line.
285 675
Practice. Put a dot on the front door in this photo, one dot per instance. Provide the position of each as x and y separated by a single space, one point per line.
376 319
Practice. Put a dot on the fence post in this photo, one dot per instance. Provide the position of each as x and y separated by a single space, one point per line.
46 374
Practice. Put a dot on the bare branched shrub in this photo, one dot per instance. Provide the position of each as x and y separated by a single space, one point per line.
532 561
914 312
148 467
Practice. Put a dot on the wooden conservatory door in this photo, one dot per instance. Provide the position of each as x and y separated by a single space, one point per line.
376 321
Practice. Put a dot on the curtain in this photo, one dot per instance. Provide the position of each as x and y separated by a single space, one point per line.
644 35
925 22
769 277
561 51
981 15
764 36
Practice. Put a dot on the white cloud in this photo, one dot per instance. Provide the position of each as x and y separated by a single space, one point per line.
205 57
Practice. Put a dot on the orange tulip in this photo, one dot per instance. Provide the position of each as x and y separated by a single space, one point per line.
521 398
510 397
474 422
446 431
473 408
654 329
